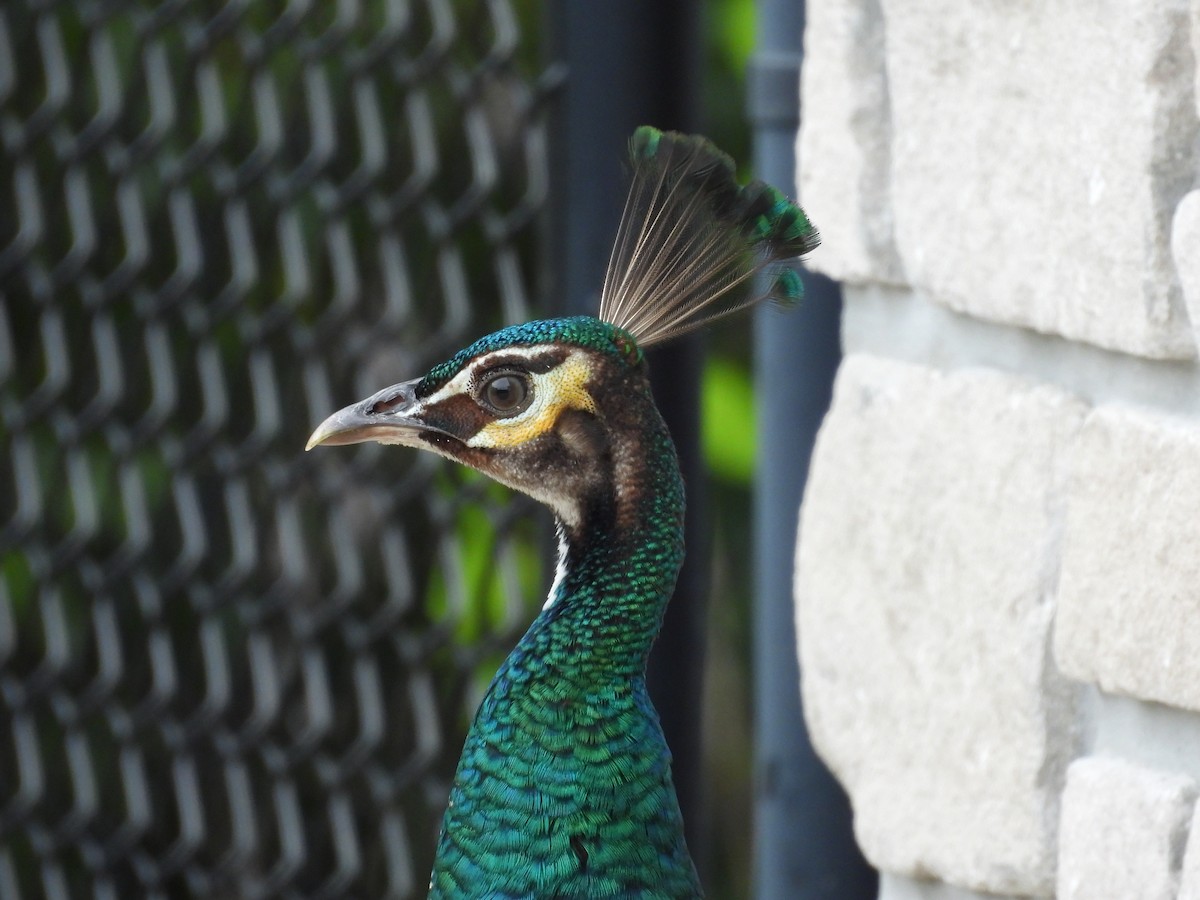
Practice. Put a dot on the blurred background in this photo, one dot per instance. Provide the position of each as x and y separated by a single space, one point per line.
229 668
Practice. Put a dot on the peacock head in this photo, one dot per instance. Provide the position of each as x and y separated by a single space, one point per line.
561 408
540 407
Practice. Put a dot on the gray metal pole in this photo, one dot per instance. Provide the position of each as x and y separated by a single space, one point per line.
804 845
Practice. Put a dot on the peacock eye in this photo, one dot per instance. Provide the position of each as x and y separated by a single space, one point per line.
506 394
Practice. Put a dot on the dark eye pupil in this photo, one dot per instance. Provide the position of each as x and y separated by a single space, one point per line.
506 392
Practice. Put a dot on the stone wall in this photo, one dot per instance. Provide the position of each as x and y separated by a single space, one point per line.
998 578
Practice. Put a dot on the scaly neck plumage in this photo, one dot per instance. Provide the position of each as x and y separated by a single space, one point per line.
617 569
566 750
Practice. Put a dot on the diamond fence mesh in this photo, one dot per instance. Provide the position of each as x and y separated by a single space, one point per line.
229 668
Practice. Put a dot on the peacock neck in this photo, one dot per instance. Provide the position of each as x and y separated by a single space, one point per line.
564 787
618 565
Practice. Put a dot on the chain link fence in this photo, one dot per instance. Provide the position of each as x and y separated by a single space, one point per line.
229 668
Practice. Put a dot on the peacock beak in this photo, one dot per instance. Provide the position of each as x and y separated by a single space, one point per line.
391 416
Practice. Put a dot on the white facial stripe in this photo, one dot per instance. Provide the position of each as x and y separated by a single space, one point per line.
456 385
514 353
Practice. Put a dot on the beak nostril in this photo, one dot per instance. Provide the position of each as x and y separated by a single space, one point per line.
389 400
387 404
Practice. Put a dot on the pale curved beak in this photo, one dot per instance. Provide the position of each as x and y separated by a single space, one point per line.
390 416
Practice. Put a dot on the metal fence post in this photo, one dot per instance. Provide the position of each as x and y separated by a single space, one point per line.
804 845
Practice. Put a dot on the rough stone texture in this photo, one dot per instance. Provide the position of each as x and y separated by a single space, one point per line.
1038 153
1129 596
927 562
1189 887
1185 244
844 143
1122 831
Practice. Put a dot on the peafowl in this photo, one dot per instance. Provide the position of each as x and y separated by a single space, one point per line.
564 786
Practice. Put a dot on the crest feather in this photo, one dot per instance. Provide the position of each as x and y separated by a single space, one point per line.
692 241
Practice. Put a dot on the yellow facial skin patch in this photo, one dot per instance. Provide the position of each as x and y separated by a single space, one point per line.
563 387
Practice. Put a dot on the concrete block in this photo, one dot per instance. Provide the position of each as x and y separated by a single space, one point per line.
925 589
1185 246
1189 881
1122 832
1129 596
1038 153
845 140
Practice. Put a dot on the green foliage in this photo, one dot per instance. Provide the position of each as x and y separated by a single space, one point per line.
733 32
728 420
729 43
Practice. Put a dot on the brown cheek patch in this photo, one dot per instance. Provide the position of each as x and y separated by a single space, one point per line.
459 415
582 435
